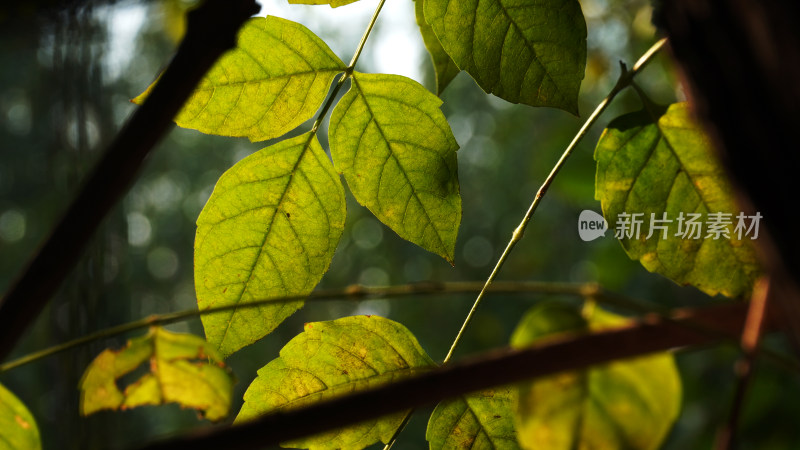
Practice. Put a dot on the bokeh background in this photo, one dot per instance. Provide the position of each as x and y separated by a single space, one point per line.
67 70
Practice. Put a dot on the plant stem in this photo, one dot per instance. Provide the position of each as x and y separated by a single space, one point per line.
625 79
364 38
353 292
350 67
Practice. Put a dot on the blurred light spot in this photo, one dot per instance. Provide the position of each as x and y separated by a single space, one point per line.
164 193
373 308
138 229
240 153
482 153
462 128
594 8
398 45
90 130
611 36
12 226
374 276
19 118
162 262
123 26
183 297
367 233
418 269
478 251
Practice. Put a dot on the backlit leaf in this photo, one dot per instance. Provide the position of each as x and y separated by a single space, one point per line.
274 80
396 150
334 358
269 230
333 3
662 162
18 430
523 51
483 420
183 369
443 65
629 404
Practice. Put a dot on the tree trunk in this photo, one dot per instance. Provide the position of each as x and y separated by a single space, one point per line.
741 61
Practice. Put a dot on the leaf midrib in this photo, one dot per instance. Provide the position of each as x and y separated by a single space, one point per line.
246 284
363 95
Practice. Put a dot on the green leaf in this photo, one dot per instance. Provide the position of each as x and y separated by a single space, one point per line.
523 51
396 150
443 65
18 430
334 358
333 3
629 404
662 162
483 420
274 80
184 369
269 230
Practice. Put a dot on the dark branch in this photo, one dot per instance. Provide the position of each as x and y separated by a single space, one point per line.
741 59
650 334
211 31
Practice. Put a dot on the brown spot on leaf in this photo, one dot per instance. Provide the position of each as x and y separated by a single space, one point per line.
21 422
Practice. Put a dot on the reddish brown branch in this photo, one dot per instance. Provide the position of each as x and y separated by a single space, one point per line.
650 334
750 340
211 31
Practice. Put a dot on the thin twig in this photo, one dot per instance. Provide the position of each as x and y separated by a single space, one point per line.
354 292
211 31
350 67
648 335
625 79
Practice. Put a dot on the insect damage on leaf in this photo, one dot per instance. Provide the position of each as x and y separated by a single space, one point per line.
183 369
335 358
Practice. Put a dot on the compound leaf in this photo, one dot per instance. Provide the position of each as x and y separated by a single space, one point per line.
661 165
483 420
269 230
18 430
184 369
523 51
443 65
334 358
628 404
274 80
396 150
332 3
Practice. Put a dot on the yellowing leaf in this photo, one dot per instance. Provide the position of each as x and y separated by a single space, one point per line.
334 358
332 3
269 230
662 163
483 420
629 404
443 65
18 430
184 369
274 80
396 150
523 51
